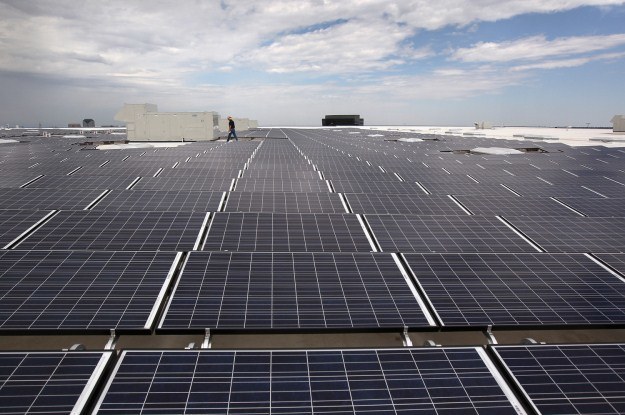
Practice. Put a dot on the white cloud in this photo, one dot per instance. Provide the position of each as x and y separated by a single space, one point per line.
354 46
164 51
536 48
568 63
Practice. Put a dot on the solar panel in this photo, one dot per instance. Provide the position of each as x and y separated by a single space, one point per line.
568 379
616 261
158 201
17 180
282 174
374 175
544 190
192 182
386 381
189 169
284 202
49 382
469 189
575 234
82 182
396 187
295 291
519 289
597 207
75 290
118 231
290 232
280 185
14 223
412 233
514 206
47 198
402 204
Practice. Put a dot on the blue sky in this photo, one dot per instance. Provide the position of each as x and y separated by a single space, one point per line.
412 62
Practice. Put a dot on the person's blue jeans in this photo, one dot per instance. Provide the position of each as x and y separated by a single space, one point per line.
232 133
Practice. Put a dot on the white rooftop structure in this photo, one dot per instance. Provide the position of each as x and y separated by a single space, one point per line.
145 123
618 123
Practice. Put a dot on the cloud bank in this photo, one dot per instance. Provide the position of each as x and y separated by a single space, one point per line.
227 55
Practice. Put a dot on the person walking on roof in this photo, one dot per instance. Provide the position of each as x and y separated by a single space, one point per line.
231 131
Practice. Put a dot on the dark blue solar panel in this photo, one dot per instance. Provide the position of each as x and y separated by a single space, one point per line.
49 382
14 223
386 381
519 289
402 204
568 379
598 207
64 290
65 198
574 234
270 291
159 201
276 232
413 233
284 202
118 231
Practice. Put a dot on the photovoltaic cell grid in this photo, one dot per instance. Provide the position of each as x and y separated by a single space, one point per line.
289 290
402 204
159 201
192 182
515 290
462 234
48 382
514 206
391 381
574 234
68 199
286 232
82 182
568 379
396 187
284 202
118 231
75 290
281 185
471 189
8 180
597 207
616 261
282 174
14 222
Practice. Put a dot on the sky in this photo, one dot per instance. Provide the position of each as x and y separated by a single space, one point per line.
289 63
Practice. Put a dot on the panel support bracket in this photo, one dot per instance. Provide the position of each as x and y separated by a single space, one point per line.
405 338
206 344
112 342
490 337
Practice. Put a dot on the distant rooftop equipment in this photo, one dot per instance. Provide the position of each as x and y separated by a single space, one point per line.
145 123
88 123
484 125
331 120
618 124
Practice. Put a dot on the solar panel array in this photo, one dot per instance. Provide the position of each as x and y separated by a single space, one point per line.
318 231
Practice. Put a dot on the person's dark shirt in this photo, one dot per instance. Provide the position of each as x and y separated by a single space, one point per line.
231 124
